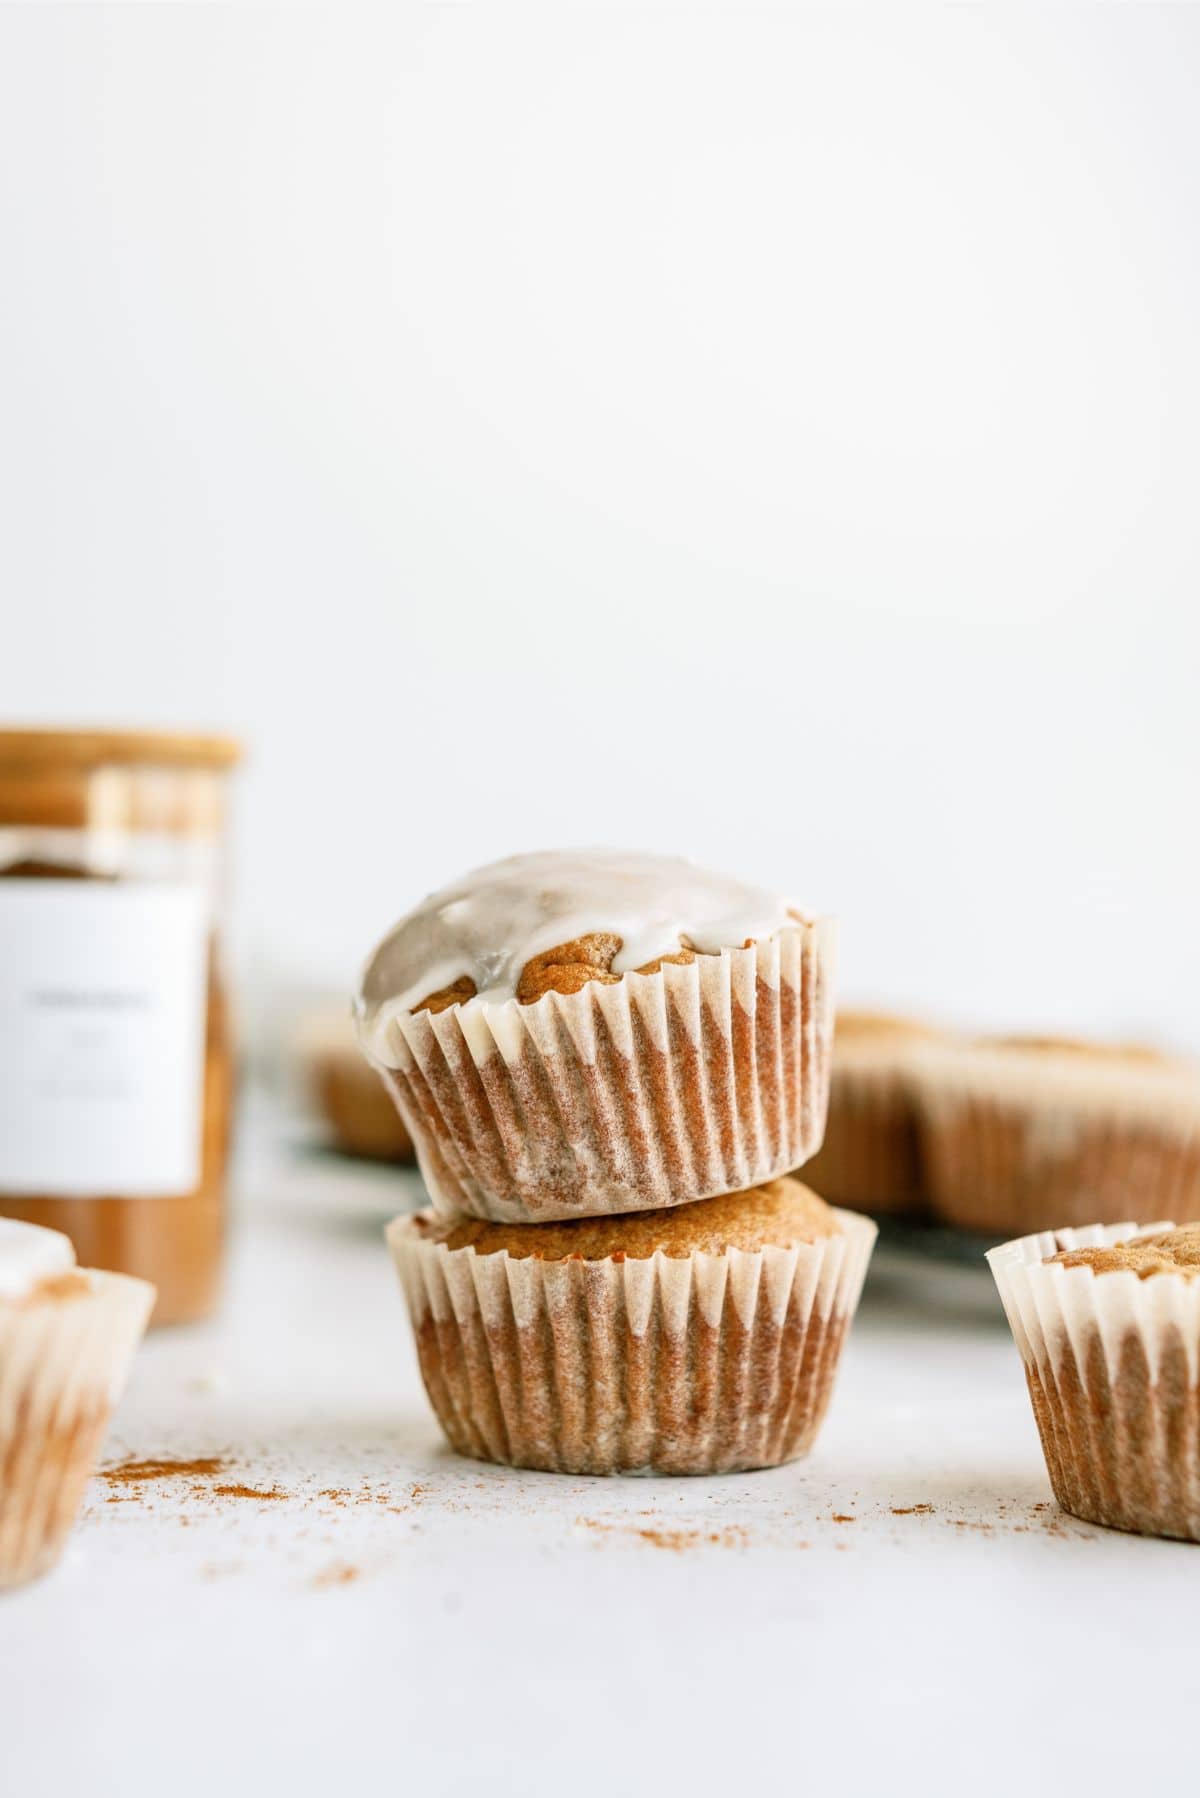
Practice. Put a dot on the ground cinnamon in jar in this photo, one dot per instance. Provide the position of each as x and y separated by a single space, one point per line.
116 1062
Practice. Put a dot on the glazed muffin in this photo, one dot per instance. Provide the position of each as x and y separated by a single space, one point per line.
67 1336
350 1097
1107 1321
1027 1133
571 1035
702 1339
870 1157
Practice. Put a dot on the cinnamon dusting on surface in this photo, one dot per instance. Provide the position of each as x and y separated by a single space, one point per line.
673 1537
346 1496
136 1473
338 1573
236 1490
912 1510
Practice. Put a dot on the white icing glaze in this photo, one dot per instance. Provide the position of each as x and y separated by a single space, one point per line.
491 922
29 1255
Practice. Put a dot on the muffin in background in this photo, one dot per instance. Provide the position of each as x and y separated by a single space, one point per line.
1027 1133
870 1157
67 1337
579 1033
701 1339
349 1096
1107 1322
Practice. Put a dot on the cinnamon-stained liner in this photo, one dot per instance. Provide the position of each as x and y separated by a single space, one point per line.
63 1365
1007 1148
699 1079
699 1364
1112 1363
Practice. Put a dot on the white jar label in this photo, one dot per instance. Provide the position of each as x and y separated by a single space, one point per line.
103 999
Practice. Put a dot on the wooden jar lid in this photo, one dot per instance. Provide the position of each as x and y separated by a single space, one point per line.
44 750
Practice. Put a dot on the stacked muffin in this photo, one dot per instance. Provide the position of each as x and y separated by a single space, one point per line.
609 1065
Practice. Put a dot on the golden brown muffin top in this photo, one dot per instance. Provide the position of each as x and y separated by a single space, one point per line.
1070 1045
853 1026
781 1213
1171 1252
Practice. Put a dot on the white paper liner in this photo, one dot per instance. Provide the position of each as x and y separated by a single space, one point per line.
1015 1141
63 1364
704 1078
1113 1367
697 1364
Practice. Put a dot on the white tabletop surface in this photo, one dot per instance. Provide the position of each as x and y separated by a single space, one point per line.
905 1612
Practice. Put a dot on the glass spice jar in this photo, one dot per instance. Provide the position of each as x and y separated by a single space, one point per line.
116 1061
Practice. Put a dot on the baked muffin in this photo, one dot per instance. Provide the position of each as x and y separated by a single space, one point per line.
67 1337
870 1158
1107 1321
702 1339
576 1034
1027 1133
349 1095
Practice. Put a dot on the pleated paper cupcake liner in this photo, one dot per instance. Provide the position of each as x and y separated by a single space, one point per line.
1113 1368
704 1078
1007 1149
63 1364
869 1158
698 1364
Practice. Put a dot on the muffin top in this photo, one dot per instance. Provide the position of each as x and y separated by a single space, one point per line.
36 1263
854 1027
1171 1252
782 1213
1049 1073
555 922
1075 1047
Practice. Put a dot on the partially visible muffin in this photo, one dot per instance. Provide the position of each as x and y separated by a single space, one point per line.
350 1095
1107 1321
870 1157
67 1336
700 1339
579 1033
1027 1133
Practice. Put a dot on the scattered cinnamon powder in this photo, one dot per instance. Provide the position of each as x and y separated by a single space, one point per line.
677 1540
911 1510
338 1573
843 1517
134 1472
236 1490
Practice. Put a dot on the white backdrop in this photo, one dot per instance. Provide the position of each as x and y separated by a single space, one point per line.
767 437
